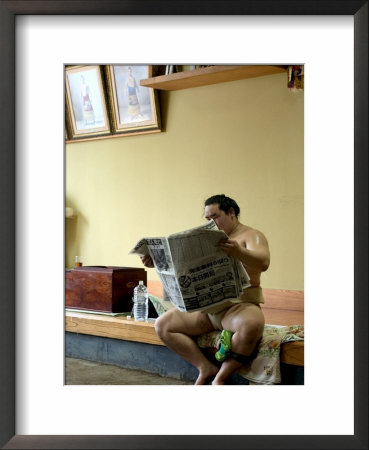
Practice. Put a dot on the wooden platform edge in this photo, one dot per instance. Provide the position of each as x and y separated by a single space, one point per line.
144 332
293 353
112 327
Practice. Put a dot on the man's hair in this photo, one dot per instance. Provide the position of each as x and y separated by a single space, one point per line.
225 203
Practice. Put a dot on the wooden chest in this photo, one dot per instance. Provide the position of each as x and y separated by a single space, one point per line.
102 288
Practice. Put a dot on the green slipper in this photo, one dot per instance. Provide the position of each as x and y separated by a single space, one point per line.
225 345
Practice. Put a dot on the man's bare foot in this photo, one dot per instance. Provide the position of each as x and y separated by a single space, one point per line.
207 374
217 382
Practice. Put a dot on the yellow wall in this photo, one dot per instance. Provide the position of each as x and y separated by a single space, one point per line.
243 138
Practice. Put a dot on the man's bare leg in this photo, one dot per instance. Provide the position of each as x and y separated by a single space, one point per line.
229 366
246 321
175 329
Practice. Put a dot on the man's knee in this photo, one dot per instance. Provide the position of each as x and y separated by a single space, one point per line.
164 323
161 325
247 337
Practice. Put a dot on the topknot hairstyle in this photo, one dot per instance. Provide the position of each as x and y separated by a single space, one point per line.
225 203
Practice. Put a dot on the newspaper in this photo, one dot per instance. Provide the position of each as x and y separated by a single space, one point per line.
196 274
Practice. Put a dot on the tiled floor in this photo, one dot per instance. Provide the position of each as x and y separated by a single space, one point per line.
80 371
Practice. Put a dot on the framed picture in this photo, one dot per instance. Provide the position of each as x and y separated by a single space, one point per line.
86 111
134 108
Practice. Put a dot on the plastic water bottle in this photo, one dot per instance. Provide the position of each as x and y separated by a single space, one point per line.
140 302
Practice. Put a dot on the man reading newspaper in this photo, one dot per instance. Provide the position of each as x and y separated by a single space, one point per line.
234 309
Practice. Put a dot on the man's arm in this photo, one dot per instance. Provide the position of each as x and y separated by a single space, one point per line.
255 254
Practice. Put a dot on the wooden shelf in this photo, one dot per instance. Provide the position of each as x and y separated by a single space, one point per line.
209 75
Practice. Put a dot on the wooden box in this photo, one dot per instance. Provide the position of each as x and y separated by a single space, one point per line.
102 288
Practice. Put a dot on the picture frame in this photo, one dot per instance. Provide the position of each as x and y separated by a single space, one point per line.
134 109
85 102
9 406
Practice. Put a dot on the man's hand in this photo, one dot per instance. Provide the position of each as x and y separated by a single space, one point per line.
230 247
147 261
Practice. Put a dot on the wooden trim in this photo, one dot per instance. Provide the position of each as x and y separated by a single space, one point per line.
293 353
209 75
284 299
112 327
111 136
274 316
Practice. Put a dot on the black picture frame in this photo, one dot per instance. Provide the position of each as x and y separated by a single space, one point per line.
8 11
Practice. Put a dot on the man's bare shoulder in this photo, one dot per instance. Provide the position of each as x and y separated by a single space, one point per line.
250 234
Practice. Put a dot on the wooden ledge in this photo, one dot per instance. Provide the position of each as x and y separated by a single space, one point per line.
209 75
113 327
129 330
